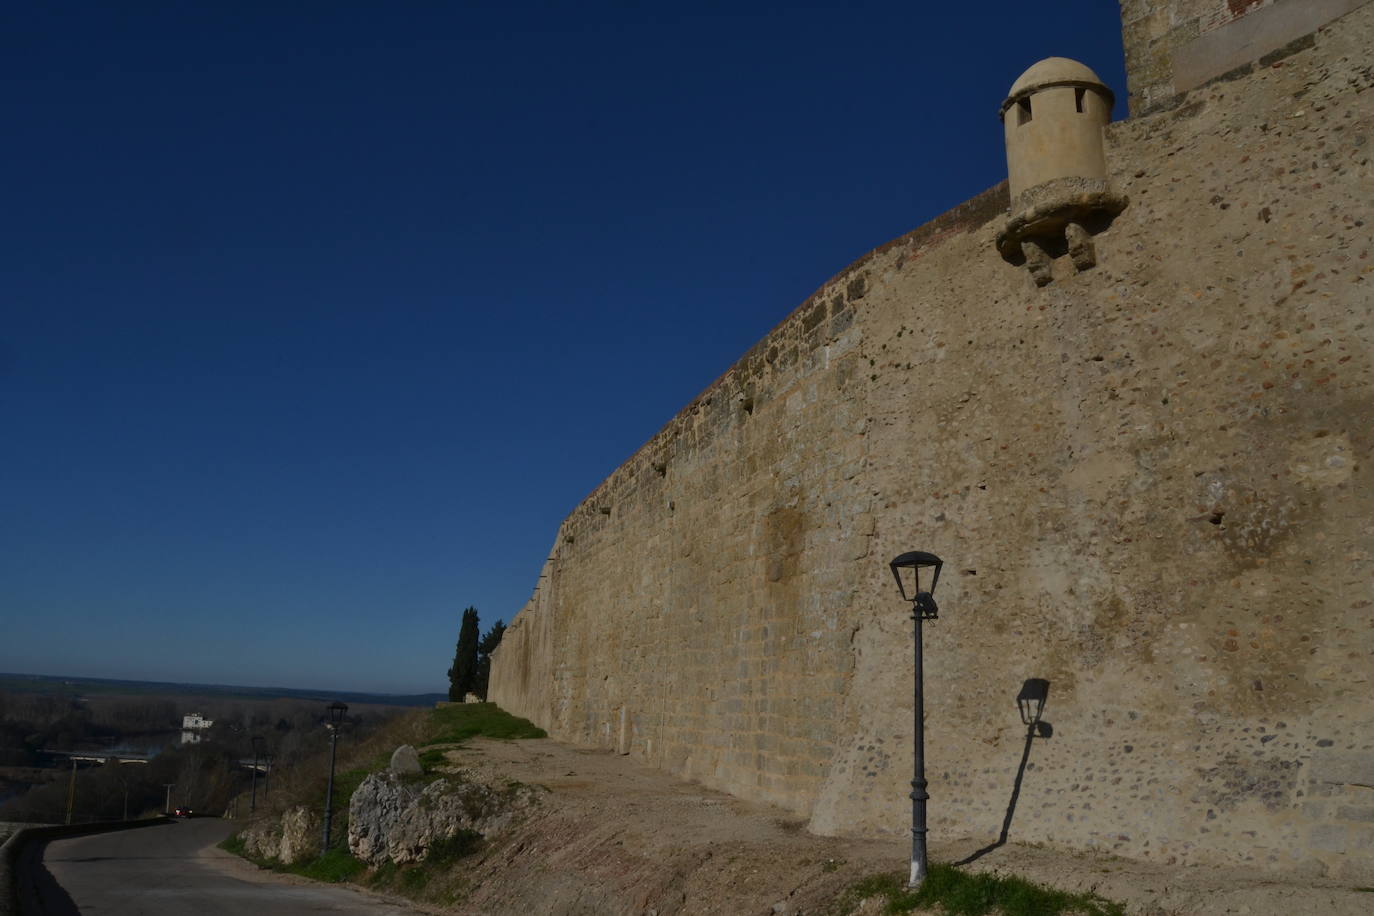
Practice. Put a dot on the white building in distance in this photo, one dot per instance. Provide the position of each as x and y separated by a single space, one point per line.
192 726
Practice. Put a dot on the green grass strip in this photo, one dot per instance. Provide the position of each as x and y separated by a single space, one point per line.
960 893
461 721
334 866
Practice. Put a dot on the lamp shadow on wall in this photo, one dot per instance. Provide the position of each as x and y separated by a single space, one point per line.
1031 703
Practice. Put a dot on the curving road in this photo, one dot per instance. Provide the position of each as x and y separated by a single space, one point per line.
176 869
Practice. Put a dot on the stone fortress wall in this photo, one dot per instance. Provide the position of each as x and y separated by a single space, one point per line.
1173 46
1149 481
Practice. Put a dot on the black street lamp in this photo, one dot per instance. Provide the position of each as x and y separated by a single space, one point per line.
906 569
336 714
258 743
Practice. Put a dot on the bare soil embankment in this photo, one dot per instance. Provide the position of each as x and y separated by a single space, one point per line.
613 836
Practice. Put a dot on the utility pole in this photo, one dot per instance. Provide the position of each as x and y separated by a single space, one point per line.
258 743
71 792
167 808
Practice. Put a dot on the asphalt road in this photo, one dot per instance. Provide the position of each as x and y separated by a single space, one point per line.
176 869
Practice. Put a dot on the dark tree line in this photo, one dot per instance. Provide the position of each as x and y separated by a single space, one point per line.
205 775
202 776
471 670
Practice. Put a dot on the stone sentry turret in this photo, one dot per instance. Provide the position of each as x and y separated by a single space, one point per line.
1057 170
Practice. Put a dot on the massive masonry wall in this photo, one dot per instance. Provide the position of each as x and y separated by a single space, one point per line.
1150 483
1173 46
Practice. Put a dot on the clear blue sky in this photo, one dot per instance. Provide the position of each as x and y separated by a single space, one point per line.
317 318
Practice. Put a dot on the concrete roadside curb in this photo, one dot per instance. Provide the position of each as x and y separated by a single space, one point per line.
12 869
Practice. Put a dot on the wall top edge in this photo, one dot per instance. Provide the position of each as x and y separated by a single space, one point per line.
968 216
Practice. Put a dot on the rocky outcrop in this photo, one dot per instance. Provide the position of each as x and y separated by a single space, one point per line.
292 838
300 835
394 819
262 840
373 811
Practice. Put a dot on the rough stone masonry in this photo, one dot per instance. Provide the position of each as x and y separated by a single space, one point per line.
1150 482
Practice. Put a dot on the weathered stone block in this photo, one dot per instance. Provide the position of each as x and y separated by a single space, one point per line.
1329 838
1355 812
405 761
1343 767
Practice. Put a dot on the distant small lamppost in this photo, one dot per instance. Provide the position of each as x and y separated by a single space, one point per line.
258 743
71 793
923 607
336 715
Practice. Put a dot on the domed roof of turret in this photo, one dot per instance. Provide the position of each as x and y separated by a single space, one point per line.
1053 71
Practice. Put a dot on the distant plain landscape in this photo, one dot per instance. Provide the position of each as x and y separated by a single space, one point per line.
80 749
63 685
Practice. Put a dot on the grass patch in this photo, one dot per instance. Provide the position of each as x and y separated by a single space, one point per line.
453 724
334 866
959 893
413 880
431 758
456 724
449 849
233 844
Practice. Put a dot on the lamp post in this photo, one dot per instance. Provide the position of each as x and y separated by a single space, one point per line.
336 714
923 607
257 751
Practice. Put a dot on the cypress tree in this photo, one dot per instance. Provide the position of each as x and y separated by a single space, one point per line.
462 677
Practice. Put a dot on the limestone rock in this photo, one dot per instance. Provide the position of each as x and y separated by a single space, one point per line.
446 808
300 835
262 839
292 838
405 761
373 811
389 819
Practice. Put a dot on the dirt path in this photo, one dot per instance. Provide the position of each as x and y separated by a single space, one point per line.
614 836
